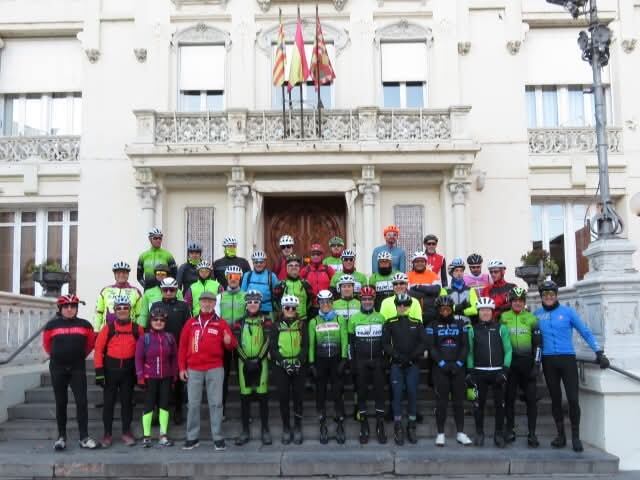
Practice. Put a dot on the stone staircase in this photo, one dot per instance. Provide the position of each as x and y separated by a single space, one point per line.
26 446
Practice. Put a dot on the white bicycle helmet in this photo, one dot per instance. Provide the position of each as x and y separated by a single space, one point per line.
252 295
348 253
204 264
384 255
325 295
233 269
485 302
496 263
289 301
194 247
155 232
400 278
229 241
346 279
418 255
168 282
121 300
286 240
258 256
121 266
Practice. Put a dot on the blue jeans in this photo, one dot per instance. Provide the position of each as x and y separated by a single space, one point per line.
404 378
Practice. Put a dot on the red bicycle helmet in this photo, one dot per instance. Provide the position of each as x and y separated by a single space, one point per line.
68 300
367 291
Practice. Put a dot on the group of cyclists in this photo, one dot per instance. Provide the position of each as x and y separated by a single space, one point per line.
317 320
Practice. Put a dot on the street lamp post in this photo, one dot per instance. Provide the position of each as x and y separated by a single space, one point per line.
595 50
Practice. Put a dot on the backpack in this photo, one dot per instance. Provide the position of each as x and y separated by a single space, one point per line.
147 340
269 272
113 332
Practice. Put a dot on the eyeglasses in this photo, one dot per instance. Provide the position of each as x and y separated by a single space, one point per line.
122 307
348 259
170 290
258 262
161 274
254 302
431 244
69 305
286 247
475 267
293 265
159 319
156 238
288 309
493 272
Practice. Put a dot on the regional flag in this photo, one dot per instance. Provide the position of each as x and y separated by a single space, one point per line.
321 69
281 57
299 69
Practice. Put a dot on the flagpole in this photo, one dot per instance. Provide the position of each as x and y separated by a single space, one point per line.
301 104
284 116
318 77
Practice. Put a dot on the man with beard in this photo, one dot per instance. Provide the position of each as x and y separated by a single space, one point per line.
398 255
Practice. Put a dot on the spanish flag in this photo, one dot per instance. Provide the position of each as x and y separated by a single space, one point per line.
299 69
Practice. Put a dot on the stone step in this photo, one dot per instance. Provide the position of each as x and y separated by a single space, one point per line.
35 459
29 429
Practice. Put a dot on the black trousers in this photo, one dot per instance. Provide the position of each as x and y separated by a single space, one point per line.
445 384
520 377
245 409
370 372
119 383
327 372
485 379
562 368
289 387
63 377
157 394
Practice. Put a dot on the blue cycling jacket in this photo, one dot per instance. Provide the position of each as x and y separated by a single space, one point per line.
253 280
557 330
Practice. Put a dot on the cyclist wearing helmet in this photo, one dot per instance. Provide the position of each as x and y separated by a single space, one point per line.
348 266
336 247
317 274
154 294
328 344
367 359
380 280
286 245
488 363
294 285
420 274
262 280
475 278
230 246
156 369
347 304
499 289
464 298
149 259
188 271
447 341
104 303
557 322
398 256
436 262
204 283
252 332
289 349
525 363
388 307
68 340
404 341
115 366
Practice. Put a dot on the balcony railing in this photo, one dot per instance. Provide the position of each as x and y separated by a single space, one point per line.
48 149
366 124
563 140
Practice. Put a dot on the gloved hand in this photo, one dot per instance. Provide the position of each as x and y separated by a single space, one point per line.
313 370
457 367
297 365
602 360
399 358
442 364
342 364
501 379
142 384
461 307
252 365
100 377
535 371
288 367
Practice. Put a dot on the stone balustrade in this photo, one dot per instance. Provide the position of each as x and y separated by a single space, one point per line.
20 317
567 140
63 148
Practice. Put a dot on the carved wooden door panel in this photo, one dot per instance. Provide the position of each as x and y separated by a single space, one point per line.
308 220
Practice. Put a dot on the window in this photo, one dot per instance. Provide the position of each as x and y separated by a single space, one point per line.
403 83
200 229
201 78
33 235
409 219
552 106
43 114
563 229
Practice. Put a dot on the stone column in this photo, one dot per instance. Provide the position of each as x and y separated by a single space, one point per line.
459 187
238 189
369 188
148 192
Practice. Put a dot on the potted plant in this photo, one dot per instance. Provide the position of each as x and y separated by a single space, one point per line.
51 276
536 264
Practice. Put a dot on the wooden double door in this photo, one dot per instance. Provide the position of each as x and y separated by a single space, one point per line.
308 220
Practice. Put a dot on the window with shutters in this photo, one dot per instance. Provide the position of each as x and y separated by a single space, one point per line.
404 83
201 77
200 229
410 221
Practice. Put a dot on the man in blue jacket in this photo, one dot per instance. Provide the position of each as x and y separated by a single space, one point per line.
261 279
398 255
556 323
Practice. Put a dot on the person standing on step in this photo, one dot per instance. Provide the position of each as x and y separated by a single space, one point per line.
499 289
388 308
336 247
204 283
68 340
398 255
475 278
488 363
318 275
156 371
367 360
154 294
149 259
230 246
347 304
464 297
435 262
296 286
557 322
115 365
404 341
328 344
104 303
380 280
252 333
178 312
526 342
203 342
447 341
286 244
261 279
188 271
348 257
289 349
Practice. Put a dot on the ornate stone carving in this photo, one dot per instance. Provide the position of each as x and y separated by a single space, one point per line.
404 30
203 127
141 54
629 44
48 149
571 140
339 4
93 54
460 184
267 38
464 48
265 5
513 46
238 188
146 188
202 33
368 186
411 125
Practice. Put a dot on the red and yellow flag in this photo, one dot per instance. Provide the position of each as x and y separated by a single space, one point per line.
281 57
299 69
321 69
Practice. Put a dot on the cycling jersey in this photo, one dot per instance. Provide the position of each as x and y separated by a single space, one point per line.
398 261
523 331
327 337
150 297
104 303
360 280
263 282
365 331
346 308
557 327
147 263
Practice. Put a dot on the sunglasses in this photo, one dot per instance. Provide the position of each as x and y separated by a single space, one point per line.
125 307
347 259
258 262
254 302
159 319
70 305
156 238
431 244
493 272
475 267
288 309
286 247
161 274
169 289
293 265
234 276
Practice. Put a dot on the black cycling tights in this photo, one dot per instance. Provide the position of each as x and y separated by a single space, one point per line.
563 368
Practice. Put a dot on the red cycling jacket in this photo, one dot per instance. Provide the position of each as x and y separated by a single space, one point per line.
202 343
499 292
319 277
